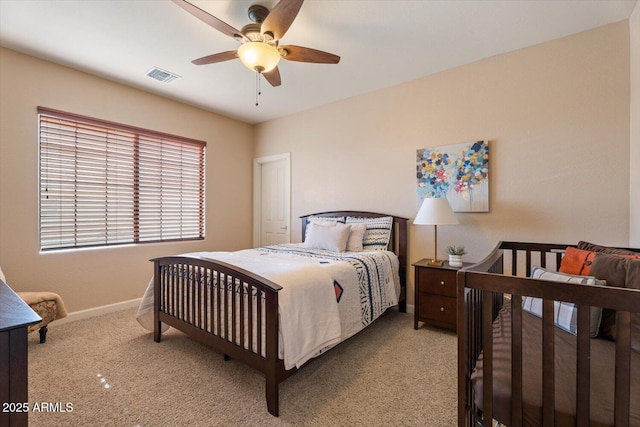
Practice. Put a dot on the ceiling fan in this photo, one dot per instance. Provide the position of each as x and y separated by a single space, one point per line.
260 50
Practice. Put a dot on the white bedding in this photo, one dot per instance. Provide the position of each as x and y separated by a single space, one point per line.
326 297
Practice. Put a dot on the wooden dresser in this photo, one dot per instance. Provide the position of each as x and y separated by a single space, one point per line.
435 294
15 317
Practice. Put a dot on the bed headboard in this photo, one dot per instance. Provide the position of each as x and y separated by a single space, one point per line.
397 242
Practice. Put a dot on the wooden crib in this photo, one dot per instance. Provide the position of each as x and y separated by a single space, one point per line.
495 380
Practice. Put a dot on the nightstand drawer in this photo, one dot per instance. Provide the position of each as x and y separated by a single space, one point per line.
438 308
440 282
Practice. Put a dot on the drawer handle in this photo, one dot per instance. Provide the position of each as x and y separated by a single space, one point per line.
441 308
442 282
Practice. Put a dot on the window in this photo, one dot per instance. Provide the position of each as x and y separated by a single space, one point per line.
102 184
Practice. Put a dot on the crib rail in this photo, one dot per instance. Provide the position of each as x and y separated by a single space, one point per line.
512 258
470 344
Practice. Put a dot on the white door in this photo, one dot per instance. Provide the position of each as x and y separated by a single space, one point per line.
272 192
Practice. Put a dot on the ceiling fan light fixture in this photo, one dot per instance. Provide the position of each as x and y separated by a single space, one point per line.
259 56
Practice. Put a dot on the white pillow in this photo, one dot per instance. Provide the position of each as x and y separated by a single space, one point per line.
332 237
354 244
2 276
324 220
565 314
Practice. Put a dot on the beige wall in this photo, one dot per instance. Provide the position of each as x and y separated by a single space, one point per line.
90 278
634 193
556 116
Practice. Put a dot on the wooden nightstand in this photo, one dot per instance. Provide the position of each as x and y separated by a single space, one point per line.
435 294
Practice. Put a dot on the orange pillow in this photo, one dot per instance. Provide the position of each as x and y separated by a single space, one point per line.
576 261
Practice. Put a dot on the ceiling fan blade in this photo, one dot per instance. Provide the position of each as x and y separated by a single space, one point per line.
280 18
273 77
306 54
216 57
211 20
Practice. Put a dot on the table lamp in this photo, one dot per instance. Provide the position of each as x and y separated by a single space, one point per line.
435 211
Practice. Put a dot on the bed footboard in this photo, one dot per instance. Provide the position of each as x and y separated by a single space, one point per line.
481 291
225 307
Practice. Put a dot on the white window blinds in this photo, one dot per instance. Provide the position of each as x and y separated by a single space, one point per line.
102 183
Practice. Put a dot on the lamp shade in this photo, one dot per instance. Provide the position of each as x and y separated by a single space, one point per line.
259 56
435 211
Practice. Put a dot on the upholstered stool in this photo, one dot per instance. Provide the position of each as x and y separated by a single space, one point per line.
48 305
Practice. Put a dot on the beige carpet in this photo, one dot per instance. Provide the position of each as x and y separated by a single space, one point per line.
111 373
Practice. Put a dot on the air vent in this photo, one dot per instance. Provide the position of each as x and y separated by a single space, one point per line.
162 75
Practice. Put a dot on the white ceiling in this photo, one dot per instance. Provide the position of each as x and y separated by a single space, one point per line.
381 43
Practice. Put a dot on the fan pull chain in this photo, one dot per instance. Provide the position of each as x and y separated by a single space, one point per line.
258 88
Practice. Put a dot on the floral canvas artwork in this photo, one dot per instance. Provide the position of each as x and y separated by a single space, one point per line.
458 172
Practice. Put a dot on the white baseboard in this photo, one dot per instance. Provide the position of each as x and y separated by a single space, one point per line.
111 308
97 311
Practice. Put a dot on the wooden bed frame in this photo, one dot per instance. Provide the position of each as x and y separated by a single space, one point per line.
186 314
481 288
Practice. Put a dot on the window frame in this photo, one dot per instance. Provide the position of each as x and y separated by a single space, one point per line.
145 211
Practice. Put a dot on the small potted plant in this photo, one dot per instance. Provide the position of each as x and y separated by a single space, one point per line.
455 255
